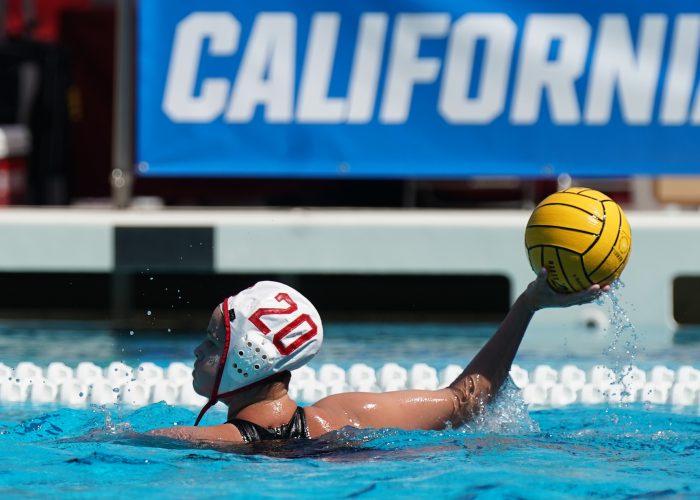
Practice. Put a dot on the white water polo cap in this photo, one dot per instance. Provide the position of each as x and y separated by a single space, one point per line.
273 328
270 328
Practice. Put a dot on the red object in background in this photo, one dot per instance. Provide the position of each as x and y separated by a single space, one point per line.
12 180
15 147
38 19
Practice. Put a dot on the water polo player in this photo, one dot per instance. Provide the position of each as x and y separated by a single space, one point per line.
256 337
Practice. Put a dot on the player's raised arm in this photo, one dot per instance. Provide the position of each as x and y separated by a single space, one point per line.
469 392
482 378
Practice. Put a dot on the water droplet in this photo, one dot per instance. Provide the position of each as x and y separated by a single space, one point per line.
151 278
80 394
148 313
169 330
116 389
131 332
140 368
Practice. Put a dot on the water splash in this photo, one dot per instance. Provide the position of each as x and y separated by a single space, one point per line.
624 342
622 326
506 414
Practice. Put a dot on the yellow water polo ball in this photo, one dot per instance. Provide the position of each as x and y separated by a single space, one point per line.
581 236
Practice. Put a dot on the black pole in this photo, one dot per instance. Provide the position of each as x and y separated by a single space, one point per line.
121 178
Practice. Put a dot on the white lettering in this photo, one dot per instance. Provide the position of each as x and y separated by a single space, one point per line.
682 67
266 73
179 101
615 65
498 32
314 105
406 68
536 73
366 67
623 74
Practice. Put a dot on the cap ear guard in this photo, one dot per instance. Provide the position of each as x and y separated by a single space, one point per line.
248 356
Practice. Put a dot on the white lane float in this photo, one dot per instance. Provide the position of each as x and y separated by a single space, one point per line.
542 387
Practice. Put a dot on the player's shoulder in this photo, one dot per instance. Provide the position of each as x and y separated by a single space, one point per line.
329 414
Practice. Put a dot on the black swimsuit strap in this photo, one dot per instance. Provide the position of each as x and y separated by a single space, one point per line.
296 428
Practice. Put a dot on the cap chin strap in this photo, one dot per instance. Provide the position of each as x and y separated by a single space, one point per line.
206 407
214 397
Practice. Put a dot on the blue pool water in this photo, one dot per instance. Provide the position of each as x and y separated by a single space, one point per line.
577 451
573 452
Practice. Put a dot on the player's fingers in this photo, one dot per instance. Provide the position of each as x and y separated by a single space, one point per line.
587 295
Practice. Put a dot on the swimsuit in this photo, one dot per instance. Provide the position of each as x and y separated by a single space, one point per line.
296 428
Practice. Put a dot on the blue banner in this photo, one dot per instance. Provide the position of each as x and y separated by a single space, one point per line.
416 89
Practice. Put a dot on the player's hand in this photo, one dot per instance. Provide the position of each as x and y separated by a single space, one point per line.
540 295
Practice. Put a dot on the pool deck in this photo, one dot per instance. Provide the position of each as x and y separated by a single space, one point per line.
367 241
